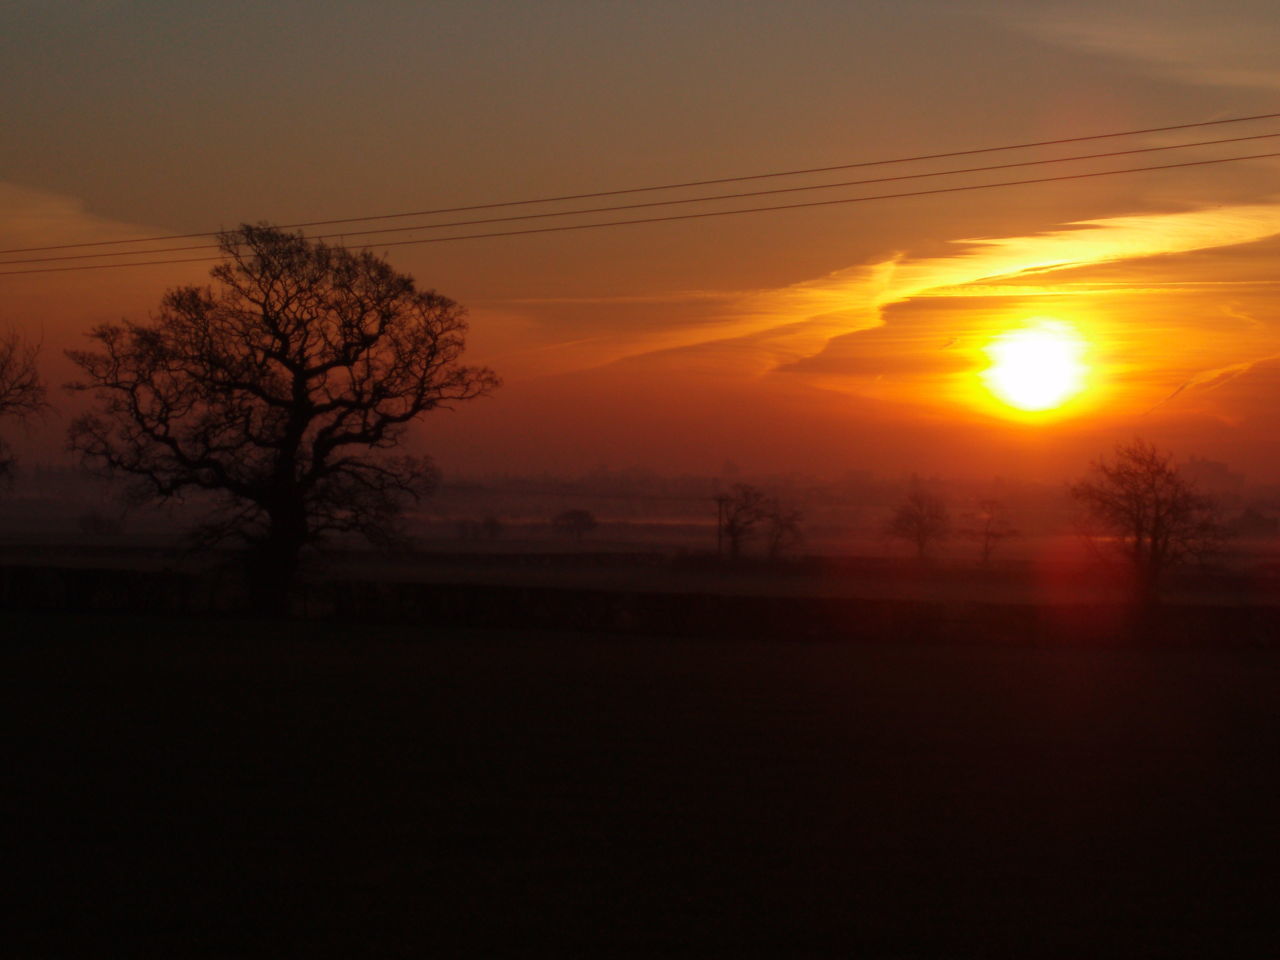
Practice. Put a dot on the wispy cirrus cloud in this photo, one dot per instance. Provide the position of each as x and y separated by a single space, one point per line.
64 304
30 217
1229 44
795 327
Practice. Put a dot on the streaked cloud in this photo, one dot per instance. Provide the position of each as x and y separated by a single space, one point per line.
61 306
31 217
797 328
1225 44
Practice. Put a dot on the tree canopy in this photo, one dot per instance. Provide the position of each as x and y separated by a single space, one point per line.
574 523
922 519
284 391
1156 517
740 511
745 511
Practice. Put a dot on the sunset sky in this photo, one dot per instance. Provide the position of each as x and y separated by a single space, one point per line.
821 339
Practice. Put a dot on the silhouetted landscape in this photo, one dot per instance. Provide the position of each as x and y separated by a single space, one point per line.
508 737
269 789
660 480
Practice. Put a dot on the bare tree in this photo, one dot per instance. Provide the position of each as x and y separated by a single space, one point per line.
21 389
989 527
282 393
94 523
740 512
574 524
782 528
922 520
1155 517
490 528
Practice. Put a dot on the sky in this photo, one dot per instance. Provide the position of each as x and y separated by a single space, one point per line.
822 339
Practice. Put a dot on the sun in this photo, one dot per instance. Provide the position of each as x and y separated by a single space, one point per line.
1037 367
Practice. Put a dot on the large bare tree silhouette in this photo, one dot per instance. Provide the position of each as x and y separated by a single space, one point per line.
283 391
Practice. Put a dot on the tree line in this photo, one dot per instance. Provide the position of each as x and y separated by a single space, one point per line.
282 394
1135 503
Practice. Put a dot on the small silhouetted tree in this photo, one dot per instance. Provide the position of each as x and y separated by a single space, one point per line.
1155 517
740 512
96 524
21 389
283 392
922 519
989 527
490 528
781 528
574 524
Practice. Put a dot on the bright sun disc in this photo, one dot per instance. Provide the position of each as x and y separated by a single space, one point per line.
1038 367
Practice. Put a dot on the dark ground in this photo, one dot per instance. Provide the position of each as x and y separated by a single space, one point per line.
237 788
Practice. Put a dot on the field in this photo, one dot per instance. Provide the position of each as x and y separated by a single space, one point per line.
239 788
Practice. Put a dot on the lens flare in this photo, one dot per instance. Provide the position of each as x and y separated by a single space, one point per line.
1037 367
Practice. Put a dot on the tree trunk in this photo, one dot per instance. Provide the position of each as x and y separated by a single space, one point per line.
735 545
273 565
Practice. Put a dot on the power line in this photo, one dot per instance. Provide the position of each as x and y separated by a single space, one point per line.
703 214
669 186
667 203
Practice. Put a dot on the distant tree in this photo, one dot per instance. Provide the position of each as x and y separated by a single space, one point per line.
740 512
922 519
96 524
782 528
281 394
574 523
989 527
21 389
1156 518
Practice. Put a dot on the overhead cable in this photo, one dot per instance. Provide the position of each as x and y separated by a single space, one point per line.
704 213
664 203
667 186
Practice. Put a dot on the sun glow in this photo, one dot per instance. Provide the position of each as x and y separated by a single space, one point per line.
1037 367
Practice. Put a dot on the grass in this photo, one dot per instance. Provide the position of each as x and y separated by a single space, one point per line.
238 788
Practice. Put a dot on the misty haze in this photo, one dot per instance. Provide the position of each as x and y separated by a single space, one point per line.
566 479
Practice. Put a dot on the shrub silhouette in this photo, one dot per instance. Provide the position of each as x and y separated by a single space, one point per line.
574 523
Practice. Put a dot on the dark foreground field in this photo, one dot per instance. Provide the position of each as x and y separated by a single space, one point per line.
238 788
